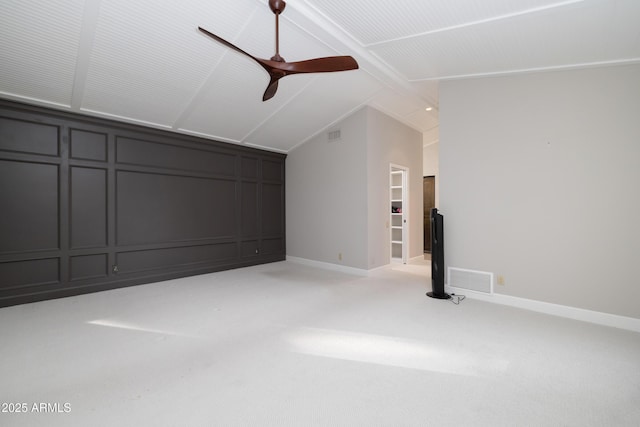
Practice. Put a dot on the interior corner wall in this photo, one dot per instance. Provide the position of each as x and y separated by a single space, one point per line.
326 208
392 142
338 199
539 184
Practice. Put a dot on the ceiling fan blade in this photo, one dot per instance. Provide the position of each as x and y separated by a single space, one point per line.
328 64
274 74
278 70
271 89
230 45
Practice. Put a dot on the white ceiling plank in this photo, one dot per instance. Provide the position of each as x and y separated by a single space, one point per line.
389 99
87 35
331 95
149 62
232 104
481 19
38 49
198 96
520 43
377 21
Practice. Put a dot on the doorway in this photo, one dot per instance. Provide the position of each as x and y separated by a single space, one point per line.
399 179
429 200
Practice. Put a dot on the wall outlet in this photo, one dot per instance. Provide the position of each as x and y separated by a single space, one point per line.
340 256
501 280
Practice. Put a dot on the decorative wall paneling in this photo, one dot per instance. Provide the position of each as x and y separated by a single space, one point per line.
88 204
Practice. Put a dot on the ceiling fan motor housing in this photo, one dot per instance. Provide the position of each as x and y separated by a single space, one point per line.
277 6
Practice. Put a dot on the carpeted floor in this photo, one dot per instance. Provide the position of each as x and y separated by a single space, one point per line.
284 344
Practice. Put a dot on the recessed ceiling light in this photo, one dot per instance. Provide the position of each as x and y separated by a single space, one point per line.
429 108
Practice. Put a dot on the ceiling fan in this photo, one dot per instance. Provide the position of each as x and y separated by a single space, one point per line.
278 68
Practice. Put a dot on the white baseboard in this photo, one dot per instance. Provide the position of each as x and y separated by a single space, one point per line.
328 266
606 319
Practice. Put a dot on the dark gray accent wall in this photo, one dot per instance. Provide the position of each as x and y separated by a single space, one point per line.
88 204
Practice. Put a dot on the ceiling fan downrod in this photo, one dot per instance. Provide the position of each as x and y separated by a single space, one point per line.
277 7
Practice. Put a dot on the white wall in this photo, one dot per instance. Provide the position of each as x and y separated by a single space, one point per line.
338 193
539 183
326 206
431 165
430 159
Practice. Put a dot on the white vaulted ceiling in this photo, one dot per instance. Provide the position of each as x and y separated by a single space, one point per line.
144 61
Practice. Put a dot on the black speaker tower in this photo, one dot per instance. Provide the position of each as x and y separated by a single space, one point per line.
437 257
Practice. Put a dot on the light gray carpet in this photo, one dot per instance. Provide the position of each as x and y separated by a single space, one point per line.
290 345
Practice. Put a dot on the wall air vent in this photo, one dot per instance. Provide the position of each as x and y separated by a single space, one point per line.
333 135
478 281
